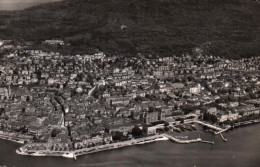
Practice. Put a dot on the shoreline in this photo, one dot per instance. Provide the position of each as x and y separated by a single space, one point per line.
85 151
112 146
245 123
168 149
12 139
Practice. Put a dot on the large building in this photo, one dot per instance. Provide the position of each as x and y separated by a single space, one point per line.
150 117
5 93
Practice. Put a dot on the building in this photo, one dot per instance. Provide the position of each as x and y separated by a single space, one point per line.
196 89
149 117
54 42
118 100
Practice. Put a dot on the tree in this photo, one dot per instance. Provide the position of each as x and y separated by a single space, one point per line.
23 110
137 132
231 98
253 95
2 110
138 98
167 99
151 109
182 120
210 117
117 136
166 126
55 132
187 109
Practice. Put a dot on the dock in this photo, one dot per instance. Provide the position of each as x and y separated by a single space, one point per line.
208 142
209 125
174 139
219 130
223 137
223 130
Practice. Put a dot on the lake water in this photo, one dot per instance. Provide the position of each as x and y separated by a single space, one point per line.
21 4
241 150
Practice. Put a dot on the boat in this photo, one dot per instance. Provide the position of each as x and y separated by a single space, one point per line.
181 137
181 127
193 127
31 152
176 130
187 128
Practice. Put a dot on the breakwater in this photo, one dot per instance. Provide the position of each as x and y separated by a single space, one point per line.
174 139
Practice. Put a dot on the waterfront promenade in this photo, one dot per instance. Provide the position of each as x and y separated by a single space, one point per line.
15 137
165 153
159 137
246 122
74 153
144 140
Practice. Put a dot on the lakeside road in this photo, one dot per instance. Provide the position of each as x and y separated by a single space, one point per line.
15 137
163 153
20 141
75 153
246 123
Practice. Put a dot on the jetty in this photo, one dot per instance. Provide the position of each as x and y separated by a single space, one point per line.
209 125
223 137
174 139
218 129
223 130
208 142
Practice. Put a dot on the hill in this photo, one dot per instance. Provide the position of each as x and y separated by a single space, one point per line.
227 28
